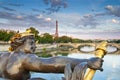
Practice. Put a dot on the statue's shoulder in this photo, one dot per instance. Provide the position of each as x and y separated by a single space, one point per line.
4 54
31 55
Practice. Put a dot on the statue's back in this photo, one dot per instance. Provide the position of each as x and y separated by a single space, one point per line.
3 61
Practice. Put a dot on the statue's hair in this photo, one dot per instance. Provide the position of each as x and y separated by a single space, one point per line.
18 40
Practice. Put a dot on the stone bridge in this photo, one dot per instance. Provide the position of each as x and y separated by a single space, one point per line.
76 45
79 45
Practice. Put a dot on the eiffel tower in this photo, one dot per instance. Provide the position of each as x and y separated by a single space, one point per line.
56 32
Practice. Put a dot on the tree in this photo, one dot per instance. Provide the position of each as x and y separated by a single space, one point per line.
75 40
34 31
64 39
47 38
5 35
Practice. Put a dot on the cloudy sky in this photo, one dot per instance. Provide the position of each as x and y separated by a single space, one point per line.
84 19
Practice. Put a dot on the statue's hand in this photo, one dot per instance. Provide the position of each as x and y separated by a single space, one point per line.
95 63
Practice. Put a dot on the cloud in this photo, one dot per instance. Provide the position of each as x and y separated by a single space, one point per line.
48 19
39 16
115 21
55 5
19 17
40 24
35 19
7 8
88 21
67 17
110 10
101 14
6 15
39 21
10 16
76 20
113 10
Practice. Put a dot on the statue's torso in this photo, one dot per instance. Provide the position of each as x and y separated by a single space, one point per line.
11 66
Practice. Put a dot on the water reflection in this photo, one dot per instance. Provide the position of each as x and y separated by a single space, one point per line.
110 49
50 76
87 49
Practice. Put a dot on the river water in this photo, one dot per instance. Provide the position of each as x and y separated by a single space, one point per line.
111 66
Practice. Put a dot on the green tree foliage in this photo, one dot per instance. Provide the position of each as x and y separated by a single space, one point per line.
33 30
117 41
5 35
64 39
56 39
88 41
36 32
46 38
114 41
75 40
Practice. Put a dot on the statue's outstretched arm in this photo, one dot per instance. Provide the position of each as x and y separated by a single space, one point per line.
49 65
56 64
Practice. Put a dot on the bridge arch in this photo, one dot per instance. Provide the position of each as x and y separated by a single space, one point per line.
86 48
79 45
115 47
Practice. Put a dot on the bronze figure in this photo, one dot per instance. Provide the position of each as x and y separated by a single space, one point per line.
18 63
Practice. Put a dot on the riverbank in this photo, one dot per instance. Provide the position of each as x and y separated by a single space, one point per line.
55 49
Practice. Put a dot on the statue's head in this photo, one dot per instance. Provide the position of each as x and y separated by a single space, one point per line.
24 42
